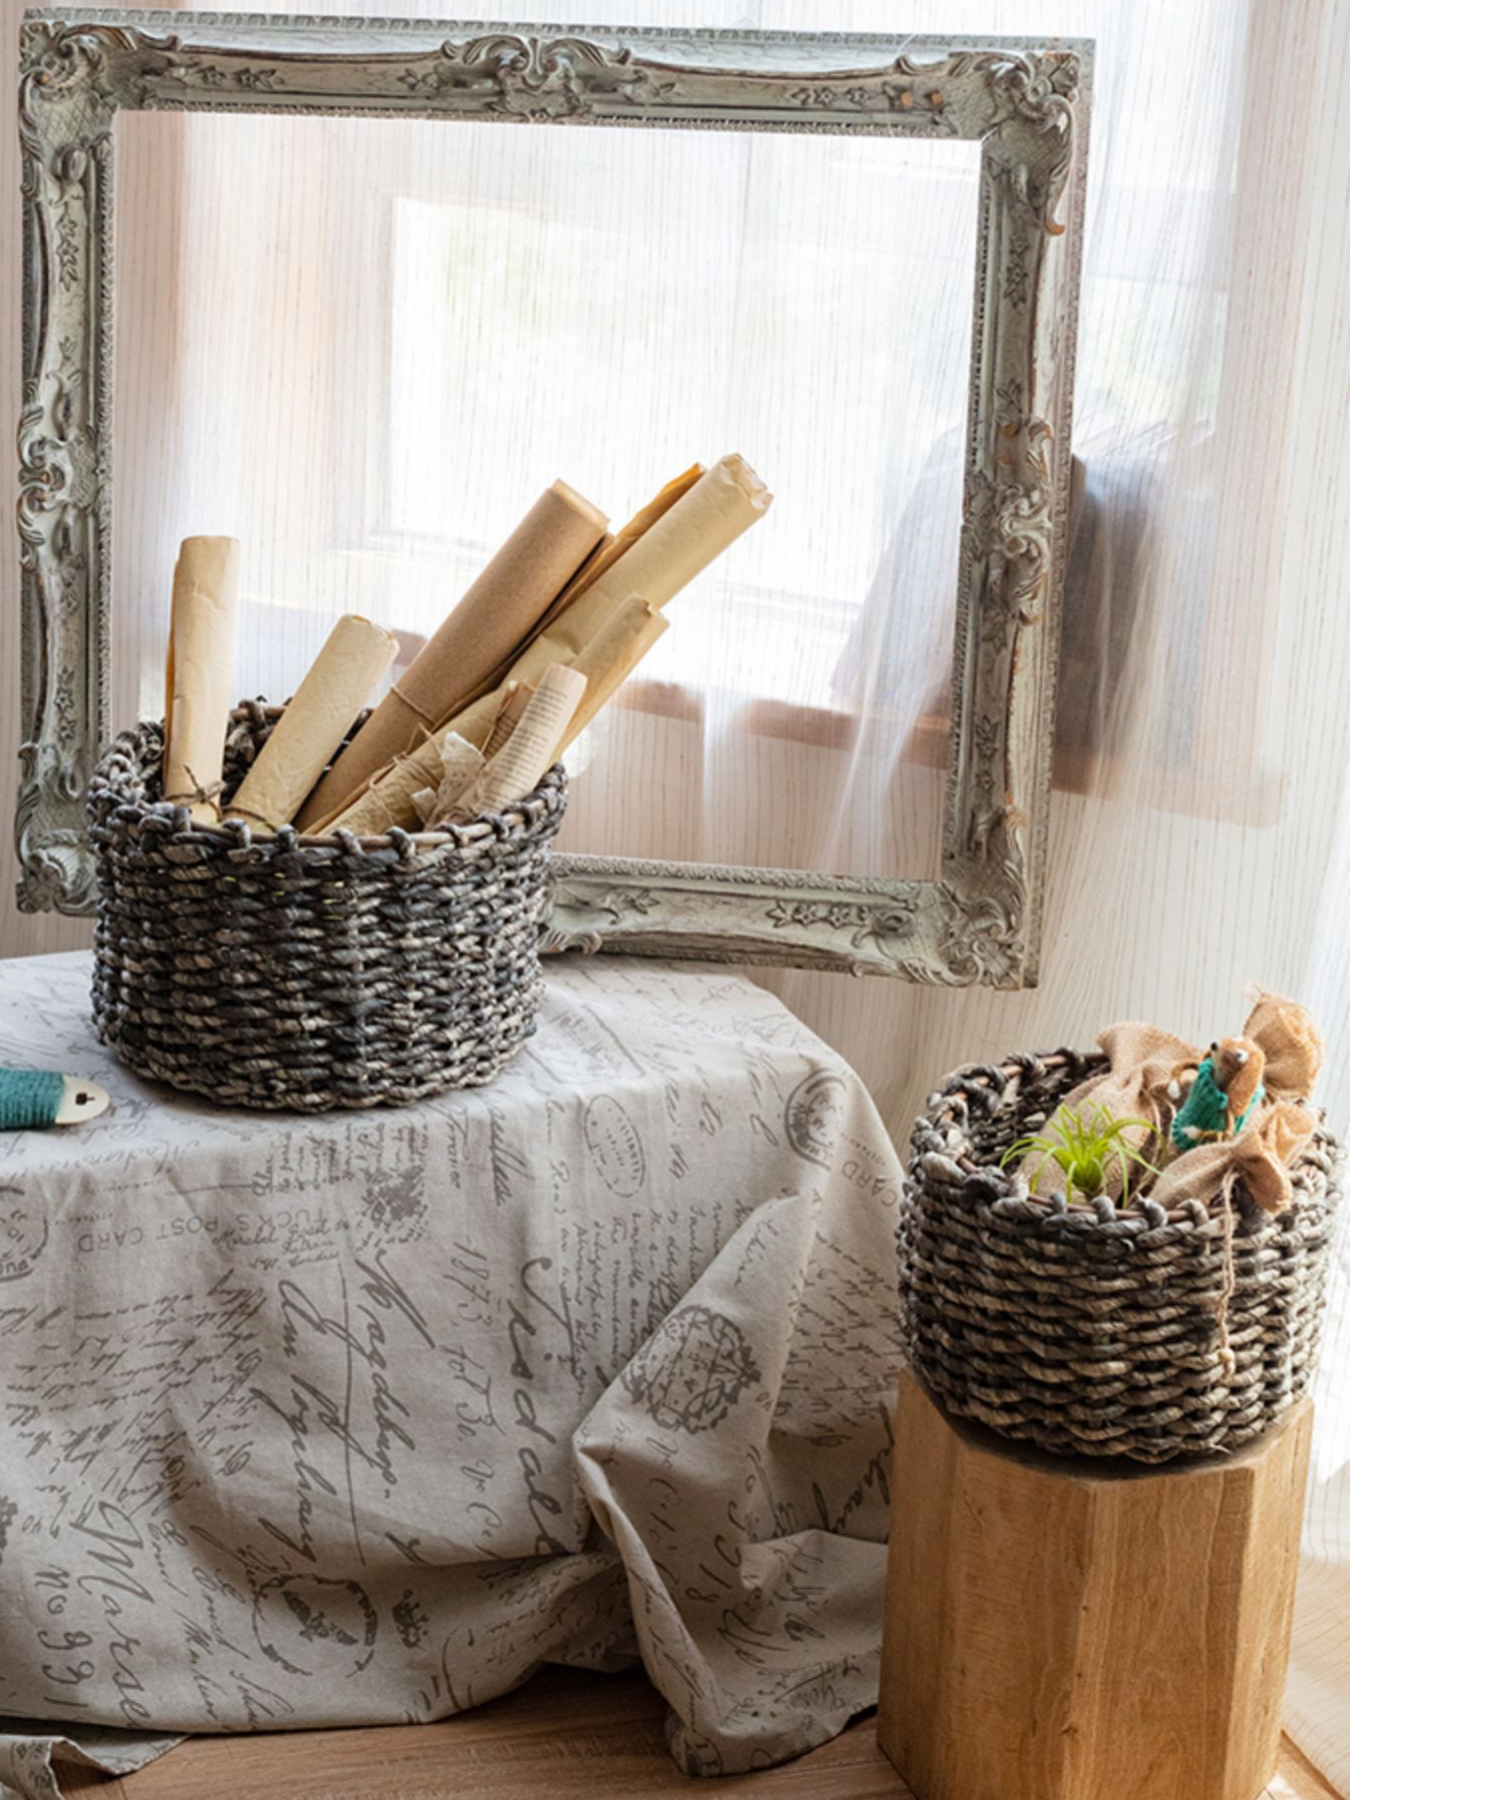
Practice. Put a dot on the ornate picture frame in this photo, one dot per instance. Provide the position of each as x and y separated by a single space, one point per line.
1026 102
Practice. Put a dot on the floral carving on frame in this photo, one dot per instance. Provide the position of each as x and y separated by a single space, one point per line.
1026 103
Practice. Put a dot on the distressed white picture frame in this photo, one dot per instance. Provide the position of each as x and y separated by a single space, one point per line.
1024 100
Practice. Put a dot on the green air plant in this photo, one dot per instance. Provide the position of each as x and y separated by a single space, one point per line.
1085 1150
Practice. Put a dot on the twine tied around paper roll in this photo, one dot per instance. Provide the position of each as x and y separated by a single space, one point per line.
429 725
198 794
384 801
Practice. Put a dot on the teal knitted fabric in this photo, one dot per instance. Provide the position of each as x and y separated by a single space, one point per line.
29 1097
1207 1109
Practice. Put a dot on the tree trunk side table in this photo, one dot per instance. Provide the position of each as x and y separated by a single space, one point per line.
1060 1629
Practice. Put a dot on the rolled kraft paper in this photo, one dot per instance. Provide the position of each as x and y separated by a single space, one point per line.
391 798
705 521
200 672
604 665
466 654
613 548
354 657
610 657
530 750
462 761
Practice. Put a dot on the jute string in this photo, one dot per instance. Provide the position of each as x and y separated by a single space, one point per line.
1226 1291
198 794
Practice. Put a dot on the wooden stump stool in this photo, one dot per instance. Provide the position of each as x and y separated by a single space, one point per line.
1062 1629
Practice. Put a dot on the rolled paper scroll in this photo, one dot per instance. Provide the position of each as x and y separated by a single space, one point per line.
604 665
462 761
704 521
464 657
529 751
445 776
200 672
353 658
608 659
391 798
613 548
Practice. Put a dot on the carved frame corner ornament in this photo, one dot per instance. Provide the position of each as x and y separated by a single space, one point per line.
1024 99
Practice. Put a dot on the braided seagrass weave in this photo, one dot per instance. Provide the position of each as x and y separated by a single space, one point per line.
1092 1330
311 972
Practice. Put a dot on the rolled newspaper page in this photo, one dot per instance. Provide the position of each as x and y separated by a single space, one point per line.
465 655
200 673
354 656
529 751
702 523
609 658
391 798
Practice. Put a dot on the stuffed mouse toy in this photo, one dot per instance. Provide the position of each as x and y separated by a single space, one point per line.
1228 1086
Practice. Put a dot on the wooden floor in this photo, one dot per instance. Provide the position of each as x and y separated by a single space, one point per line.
562 1737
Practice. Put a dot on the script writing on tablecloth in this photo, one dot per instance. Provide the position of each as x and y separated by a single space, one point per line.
358 1418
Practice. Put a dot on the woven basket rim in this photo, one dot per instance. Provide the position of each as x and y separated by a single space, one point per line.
517 819
1098 1212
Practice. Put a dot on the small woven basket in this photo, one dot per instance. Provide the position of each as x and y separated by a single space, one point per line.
311 972
1095 1330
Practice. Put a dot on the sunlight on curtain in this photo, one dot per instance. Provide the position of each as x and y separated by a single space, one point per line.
363 349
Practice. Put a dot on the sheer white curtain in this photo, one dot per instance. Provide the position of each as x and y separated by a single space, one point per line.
388 338
364 347
1199 831
1200 828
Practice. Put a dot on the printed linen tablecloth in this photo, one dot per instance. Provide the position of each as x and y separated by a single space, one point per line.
360 1418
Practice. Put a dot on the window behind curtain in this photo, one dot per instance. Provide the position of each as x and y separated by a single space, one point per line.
390 337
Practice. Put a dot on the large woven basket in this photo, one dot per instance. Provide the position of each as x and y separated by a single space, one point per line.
1091 1330
310 972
